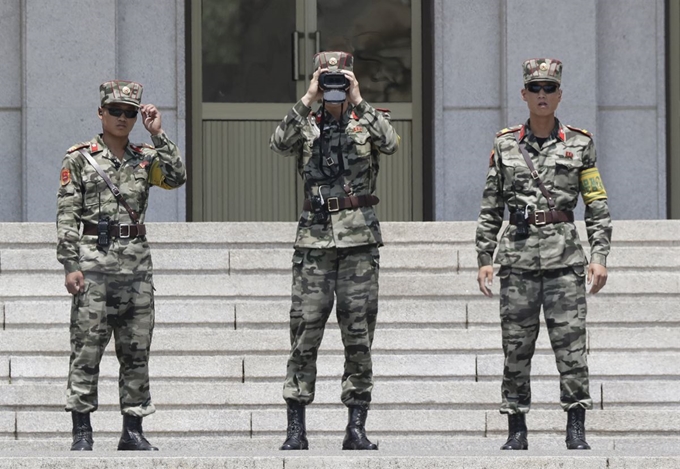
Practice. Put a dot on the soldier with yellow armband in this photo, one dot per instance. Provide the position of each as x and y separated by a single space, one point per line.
538 170
102 244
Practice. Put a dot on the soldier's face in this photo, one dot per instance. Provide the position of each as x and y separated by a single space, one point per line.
118 119
540 100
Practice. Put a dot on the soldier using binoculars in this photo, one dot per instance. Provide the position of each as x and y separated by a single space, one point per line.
336 254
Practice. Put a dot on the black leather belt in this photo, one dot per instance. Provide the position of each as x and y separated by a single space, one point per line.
546 217
335 204
121 231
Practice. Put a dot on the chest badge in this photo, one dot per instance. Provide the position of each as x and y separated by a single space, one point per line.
569 154
357 129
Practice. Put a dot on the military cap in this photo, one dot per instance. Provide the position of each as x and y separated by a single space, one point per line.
121 91
334 60
542 70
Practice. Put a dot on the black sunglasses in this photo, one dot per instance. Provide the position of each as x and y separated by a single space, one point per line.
117 112
535 88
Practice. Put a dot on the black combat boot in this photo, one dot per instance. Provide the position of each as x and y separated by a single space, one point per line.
133 438
576 428
355 433
296 435
517 432
82 432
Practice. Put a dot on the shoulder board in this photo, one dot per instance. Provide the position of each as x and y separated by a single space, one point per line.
382 109
508 130
78 146
582 131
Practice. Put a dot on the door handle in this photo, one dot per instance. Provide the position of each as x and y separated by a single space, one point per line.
296 54
316 35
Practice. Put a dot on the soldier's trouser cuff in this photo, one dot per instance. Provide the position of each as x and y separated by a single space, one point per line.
512 408
585 403
139 411
73 404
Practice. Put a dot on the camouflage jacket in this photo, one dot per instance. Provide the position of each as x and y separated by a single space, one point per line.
84 198
354 144
566 164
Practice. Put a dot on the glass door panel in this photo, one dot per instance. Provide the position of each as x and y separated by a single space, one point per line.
378 34
247 52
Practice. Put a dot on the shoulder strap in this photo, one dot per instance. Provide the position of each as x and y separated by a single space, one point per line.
112 186
534 174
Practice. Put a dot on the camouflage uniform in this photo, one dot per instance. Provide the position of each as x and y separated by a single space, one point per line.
548 267
118 293
338 256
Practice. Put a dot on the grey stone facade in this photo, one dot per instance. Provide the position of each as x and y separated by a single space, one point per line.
54 55
613 82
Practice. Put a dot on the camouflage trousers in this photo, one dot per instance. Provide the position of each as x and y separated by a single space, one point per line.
562 294
122 305
319 275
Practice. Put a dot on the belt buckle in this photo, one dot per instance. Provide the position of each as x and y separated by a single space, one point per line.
333 204
120 231
538 214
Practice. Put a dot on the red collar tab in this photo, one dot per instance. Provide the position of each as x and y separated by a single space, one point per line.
560 134
354 116
136 148
94 147
522 132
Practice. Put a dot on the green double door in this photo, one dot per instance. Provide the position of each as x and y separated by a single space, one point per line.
251 61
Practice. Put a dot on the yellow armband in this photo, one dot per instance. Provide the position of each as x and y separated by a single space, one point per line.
156 176
591 185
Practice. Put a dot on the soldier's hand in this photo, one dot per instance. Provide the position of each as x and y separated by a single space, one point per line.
314 93
597 277
75 282
485 279
354 92
151 118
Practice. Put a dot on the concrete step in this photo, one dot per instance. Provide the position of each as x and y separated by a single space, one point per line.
453 445
341 460
229 341
248 367
396 422
431 258
408 394
271 286
602 311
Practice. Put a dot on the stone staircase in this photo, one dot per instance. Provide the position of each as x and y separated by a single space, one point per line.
221 341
